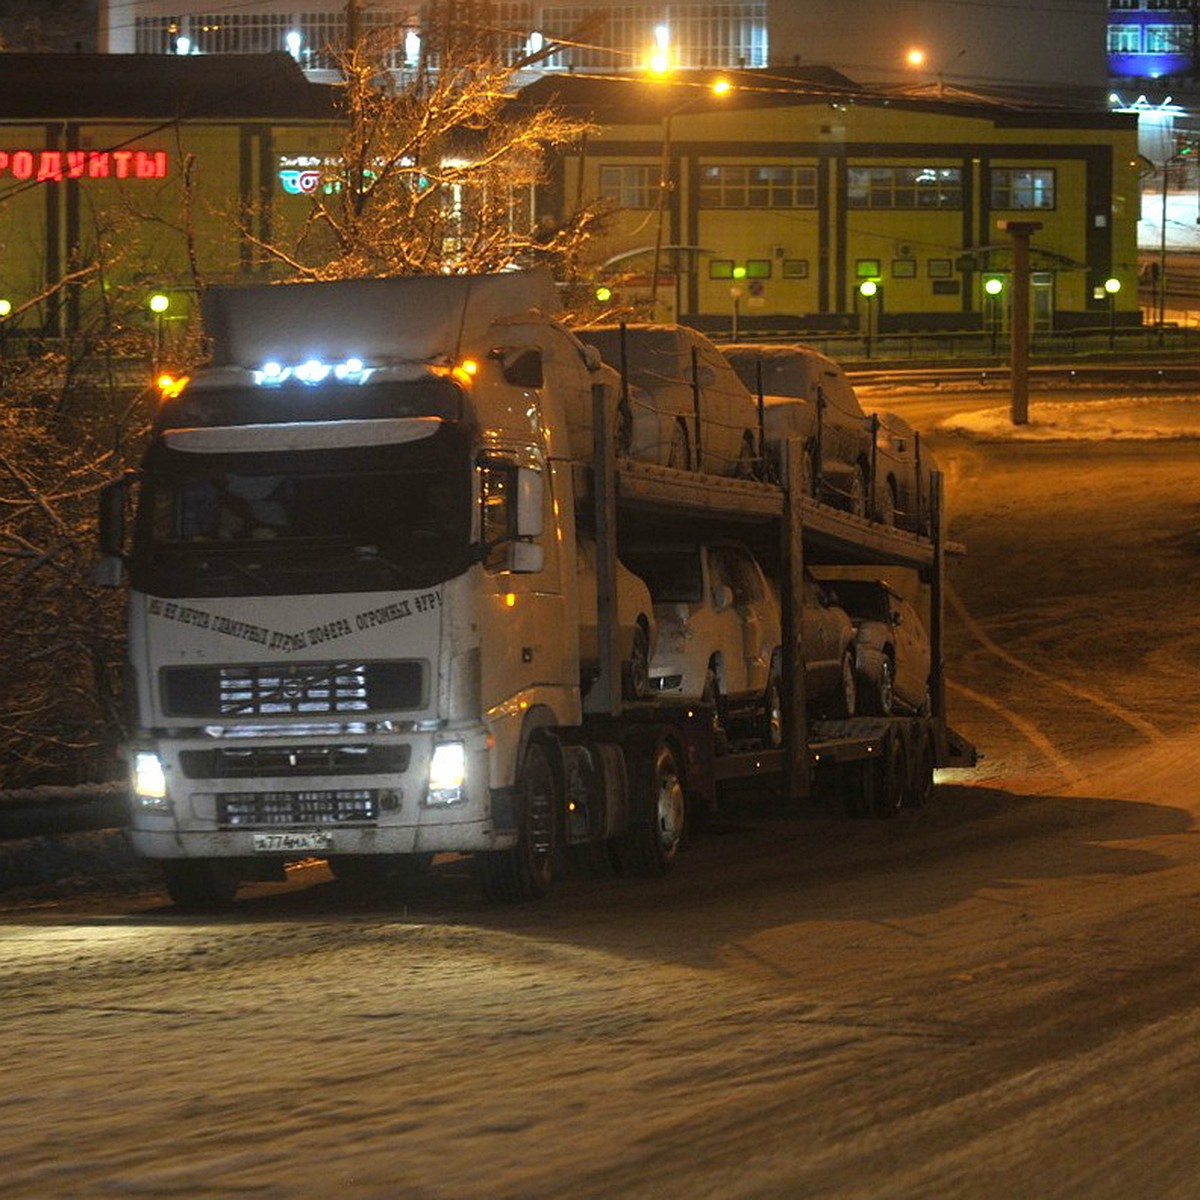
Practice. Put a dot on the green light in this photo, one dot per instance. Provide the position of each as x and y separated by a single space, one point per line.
1112 286
739 272
603 294
159 303
5 307
868 288
993 287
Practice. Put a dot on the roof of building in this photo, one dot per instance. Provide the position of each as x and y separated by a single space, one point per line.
201 86
634 99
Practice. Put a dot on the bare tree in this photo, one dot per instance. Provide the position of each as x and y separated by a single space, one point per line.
437 170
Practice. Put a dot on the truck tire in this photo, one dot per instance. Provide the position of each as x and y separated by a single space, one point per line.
658 806
891 776
921 767
199 883
527 870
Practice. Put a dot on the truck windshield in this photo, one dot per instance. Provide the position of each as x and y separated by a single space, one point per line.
350 519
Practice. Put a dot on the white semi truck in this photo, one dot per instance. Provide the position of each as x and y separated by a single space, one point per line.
356 590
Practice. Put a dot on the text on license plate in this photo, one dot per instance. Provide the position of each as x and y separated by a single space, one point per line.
272 843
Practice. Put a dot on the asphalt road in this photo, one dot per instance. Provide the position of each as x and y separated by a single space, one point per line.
994 996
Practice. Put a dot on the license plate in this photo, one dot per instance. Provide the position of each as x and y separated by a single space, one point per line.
273 843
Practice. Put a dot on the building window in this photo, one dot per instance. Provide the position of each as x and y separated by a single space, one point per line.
1124 39
867 268
1021 187
940 268
758 268
904 187
1167 4
795 268
630 186
1126 4
758 187
904 268
1167 39
698 35
720 268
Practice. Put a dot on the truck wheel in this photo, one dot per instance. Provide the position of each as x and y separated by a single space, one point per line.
891 777
920 783
199 882
658 809
635 678
527 870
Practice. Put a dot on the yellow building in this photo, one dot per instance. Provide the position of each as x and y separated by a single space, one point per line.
775 200
131 174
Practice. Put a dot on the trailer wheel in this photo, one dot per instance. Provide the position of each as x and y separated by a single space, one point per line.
891 777
658 817
921 765
199 882
527 870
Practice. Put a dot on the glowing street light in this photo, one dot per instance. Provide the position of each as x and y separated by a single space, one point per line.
1112 286
994 287
868 290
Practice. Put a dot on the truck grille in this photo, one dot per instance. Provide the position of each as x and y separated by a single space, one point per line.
243 810
246 762
296 689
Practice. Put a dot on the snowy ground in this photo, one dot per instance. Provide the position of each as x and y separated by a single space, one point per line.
993 997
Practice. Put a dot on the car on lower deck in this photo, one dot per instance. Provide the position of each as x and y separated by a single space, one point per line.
720 636
891 646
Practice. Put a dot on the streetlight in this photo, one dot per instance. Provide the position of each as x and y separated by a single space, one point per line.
5 310
158 305
660 65
1112 286
994 287
868 290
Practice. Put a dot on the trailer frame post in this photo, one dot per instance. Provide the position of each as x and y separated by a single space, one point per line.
797 767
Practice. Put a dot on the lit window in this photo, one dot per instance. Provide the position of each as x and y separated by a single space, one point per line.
1023 187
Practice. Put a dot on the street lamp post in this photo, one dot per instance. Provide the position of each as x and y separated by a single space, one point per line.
158 305
868 290
993 287
1112 286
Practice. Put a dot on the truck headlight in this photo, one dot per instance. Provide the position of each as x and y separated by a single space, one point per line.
149 780
447 772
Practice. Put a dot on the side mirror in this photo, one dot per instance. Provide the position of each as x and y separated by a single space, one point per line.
722 597
897 618
591 357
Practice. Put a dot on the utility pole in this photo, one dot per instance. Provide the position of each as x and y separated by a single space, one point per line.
1020 232
353 24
